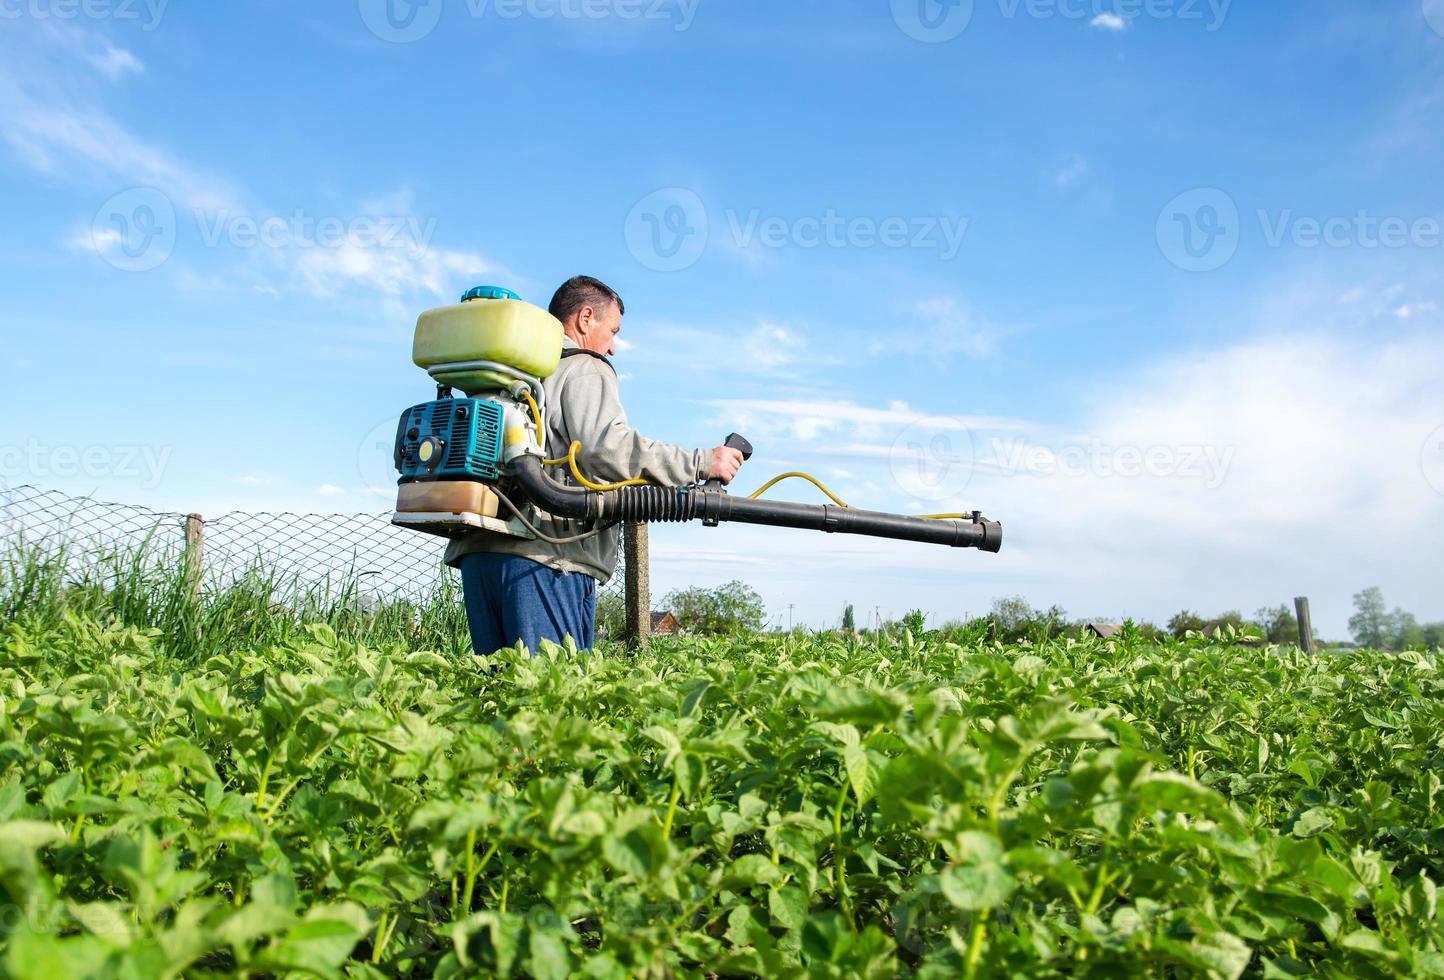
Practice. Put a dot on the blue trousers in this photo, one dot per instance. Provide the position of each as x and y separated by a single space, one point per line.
509 598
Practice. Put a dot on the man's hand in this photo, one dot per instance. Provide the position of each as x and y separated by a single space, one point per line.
725 464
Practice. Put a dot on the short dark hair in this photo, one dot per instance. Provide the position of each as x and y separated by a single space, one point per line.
579 291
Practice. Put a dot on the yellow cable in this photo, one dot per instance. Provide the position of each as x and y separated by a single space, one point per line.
571 460
798 476
838 500
536 416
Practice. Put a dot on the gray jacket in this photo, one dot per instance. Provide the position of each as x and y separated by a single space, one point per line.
584 404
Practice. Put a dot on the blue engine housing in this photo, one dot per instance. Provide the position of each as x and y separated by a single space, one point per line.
451 439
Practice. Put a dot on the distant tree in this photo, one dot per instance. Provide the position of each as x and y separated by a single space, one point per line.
1370 622
1405 633
1011 614
1278 624
849 620
1433 636
1186 621
1232 618
726 610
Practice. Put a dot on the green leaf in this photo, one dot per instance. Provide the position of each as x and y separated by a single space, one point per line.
788 907
978 879
753 869
320 942
1312 822
859 772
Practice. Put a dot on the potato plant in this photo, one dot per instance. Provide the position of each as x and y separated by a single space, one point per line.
824 807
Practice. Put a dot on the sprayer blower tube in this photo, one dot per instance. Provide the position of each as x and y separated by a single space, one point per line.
678 504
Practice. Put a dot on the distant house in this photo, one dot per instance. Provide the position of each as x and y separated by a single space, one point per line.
1104 631
665 624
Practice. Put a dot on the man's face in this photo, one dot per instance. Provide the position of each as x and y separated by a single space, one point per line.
597 329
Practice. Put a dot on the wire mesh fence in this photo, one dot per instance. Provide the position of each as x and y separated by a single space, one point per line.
364 550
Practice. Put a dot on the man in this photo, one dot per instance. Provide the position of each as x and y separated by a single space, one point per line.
531 590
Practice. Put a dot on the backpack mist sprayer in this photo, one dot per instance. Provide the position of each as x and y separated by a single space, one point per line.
478 463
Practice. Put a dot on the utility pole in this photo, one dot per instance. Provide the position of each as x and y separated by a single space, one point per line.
789 617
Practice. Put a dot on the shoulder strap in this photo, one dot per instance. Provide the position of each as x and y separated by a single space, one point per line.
574 351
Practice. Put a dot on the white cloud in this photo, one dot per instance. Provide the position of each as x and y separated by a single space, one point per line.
1288 464
101 241
254 481
939 328
1411 310
1071 173
1109 22
52 114
114 63
805 420
331 490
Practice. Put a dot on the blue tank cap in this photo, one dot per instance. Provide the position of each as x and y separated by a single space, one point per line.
488 292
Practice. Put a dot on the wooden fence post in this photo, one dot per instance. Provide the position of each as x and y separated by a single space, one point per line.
639 585
195 553
1306 627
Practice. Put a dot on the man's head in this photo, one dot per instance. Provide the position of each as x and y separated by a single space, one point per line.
591 313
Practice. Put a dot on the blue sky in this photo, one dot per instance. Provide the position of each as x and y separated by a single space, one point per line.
1157 284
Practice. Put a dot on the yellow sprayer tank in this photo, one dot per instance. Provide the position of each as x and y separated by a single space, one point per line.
489 324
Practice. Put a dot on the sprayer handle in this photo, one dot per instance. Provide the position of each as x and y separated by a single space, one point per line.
734 441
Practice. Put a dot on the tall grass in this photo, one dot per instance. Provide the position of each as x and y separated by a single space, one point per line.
252 606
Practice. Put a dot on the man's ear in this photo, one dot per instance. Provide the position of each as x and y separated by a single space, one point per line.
584 320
